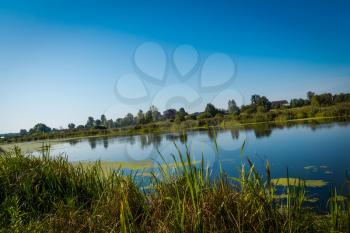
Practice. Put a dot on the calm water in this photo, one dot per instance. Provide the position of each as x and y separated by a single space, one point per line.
308 151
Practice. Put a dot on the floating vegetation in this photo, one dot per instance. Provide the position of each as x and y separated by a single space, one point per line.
311 168
285 196
297 182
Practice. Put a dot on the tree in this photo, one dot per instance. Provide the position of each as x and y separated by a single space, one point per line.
294 103
71 126
180 115
325 99
261 101
314 101
155 113
104 120
309 95
80 127
23 132
118 122
210 108
128 120
232 107
90 123
40 128
169 114
110 124
255 99
98 123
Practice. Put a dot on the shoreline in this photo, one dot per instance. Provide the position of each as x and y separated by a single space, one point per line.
36 144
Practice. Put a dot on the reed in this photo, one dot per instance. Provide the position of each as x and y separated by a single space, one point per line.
48 194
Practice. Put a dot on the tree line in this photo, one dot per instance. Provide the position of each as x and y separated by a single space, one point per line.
258 104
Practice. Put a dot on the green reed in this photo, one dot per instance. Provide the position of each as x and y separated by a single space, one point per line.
48 194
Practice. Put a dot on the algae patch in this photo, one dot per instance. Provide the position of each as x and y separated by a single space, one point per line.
297 181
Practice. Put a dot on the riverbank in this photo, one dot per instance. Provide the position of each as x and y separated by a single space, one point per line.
30 146
44 194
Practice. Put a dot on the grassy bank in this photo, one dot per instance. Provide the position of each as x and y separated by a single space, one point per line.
51 195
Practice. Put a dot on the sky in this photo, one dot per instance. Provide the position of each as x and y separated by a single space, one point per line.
62 61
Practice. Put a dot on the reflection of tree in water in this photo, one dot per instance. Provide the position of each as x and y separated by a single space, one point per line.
212 134
73 142
262 131
105 143
182 137
92 142
150 139
143 141
235 133
131 140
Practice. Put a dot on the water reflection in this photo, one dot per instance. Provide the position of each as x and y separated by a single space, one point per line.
92 143
260 131
234 133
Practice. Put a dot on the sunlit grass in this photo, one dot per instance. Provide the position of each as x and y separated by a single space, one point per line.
45 194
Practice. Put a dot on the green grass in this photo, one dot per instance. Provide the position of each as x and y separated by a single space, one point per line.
45 194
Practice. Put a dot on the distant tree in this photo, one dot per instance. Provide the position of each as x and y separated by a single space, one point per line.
294 103
128 120
314 101
140 118
71 126
23 132
255 99
90 123
98 123
309 95
182 112
118 122
180 115
40 128
103 120
210 109
80 127
325 99
110 124
155 113
169 114
232 107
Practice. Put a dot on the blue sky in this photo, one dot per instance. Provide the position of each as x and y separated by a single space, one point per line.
60 61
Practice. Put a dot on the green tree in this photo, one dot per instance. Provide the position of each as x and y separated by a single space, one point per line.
232 107
71 126
140 117
110 124
90 123
103 120
23 132
40 128
155 113
309 95
211 110
314 101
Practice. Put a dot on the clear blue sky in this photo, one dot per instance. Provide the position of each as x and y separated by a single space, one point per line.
59 60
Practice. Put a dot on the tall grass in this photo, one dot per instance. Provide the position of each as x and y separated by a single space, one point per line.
45 194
